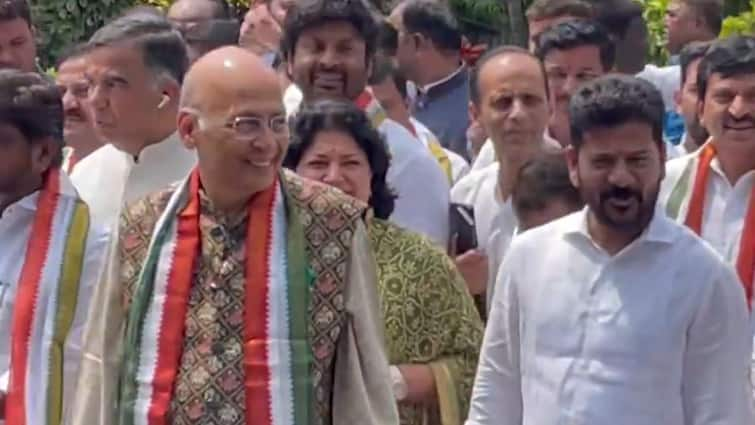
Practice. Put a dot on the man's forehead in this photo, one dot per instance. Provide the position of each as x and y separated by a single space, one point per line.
744 80
512 68
12 28
119 56
332 30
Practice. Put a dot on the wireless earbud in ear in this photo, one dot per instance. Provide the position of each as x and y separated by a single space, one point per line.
164 101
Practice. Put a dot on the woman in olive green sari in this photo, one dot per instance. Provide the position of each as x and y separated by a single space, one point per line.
433 331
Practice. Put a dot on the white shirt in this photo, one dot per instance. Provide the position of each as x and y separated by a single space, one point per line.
667 79
495 221
487 152
655 335
15 230
109 178
414 175
459 165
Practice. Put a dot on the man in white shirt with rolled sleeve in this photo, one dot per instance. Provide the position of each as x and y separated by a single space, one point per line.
615 314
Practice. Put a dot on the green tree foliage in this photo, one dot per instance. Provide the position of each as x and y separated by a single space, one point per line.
61 23
743 23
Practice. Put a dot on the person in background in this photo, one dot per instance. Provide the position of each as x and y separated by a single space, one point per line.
262 28
509 92
432 329
544 192
389 87
573 53
624 20
329 48
135 68
691 20
79 131
687 101
543 14
429 56
186 13
642 322
210 35
18 49
51 255
712 190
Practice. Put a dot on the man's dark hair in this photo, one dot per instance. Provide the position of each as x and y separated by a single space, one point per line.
434 20
710 11
549 9
32 104
541 181
163 48
383 69
15 9
613 100
213 33
387 39
730 56
306 14
577 33
617 15
474 76
345 116
690 53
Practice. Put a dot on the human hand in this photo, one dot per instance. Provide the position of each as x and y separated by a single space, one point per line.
473 266
260 33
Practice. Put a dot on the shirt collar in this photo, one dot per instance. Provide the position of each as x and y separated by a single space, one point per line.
442 81
660 230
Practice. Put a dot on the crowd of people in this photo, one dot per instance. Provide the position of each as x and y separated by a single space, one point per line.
325 215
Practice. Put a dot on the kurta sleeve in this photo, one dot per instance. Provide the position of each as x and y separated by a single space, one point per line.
362 392
497 394
715 385
93 401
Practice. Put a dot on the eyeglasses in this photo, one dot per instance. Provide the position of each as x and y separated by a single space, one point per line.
249 129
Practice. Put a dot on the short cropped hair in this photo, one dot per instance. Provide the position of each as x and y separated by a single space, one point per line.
542 180
345 116
306 14
617 15
613 100
32 104
577 33
72 52
15 9
387 39
690 53
474 76
434 20
162 46
710 11
730 56
549 9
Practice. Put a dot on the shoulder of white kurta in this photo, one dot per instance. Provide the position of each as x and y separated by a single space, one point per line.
466 190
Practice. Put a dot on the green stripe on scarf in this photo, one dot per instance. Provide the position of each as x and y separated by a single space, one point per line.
298 287
140 304
68 293
674 205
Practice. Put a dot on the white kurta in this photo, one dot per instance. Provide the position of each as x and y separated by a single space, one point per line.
15 229
459 165
109 177
487 152
422 187
495 221
657 334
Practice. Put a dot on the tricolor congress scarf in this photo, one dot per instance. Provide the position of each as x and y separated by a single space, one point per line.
694 219
277 354
45 304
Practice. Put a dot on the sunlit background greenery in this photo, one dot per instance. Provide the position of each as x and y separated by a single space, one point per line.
63 22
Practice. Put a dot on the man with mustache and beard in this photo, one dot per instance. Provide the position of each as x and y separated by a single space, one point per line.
614 314
329 47
712 191
573 52
79 132
686 99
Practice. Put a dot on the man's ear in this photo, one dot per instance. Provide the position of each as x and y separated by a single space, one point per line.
572 161
474 111
43 154
187 127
